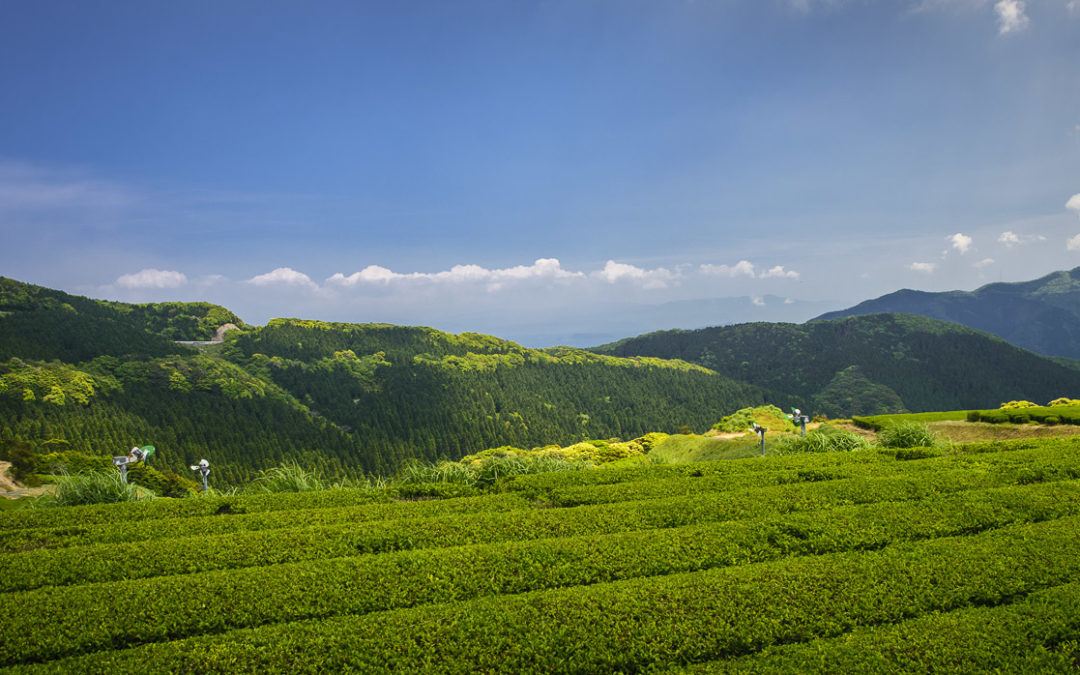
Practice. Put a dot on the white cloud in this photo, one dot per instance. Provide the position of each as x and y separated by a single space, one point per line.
152 278
284 276
778 272
789 301
961 242
985 262
543 268
1074 202
1073 244
923 267
743 268
1074 7
657 278
1010 238
1012 16
758 301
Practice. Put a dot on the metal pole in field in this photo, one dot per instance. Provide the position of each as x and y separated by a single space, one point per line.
203 469
121 464
760 431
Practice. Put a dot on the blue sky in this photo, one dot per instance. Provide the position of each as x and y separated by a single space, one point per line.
549 171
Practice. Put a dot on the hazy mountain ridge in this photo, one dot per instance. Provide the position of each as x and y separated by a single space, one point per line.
1042 315
928 364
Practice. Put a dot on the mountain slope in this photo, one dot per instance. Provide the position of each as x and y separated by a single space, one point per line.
927 364
1042 315
42 323
100 377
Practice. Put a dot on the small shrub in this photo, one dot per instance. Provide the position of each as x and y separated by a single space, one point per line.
95 487
973 416
1017 405
1051 420
1064 401
994 417
822 439
769 416
289 477
907 435
1020 419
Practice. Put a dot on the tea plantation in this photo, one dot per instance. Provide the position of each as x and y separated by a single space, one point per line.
962 560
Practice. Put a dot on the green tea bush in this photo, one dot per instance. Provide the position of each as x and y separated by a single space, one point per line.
907 435
255 596
629 625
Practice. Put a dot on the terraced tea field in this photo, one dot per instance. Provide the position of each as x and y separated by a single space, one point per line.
846 562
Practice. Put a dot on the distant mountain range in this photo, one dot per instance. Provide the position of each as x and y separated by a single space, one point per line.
866 364
1042 315
97 377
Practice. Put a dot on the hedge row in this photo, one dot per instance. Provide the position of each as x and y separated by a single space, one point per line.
1034 457
119 614
630 625
188 555
1041 414
229 521
1029 636
669 483
140 514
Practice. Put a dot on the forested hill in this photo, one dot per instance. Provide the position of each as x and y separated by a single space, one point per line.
1042 315
42 323
866 364
100 377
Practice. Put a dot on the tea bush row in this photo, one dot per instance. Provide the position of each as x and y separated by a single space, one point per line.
639 623
1037 634
81 565
101 616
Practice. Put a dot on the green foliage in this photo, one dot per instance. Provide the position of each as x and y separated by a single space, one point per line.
1064 401
288 477
54 382
1016 405
23 460
823 439
879 422
907 435
850 392
44 324
927 364
769 416
257 596
782 602
93 487
1058 414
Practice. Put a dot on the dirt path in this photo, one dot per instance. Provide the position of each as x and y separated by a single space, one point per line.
12 490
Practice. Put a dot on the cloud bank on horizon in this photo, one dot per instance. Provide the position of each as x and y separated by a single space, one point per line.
787 154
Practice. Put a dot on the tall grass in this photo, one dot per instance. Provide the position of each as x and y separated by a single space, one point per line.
95 487
822 439
288 477
907 435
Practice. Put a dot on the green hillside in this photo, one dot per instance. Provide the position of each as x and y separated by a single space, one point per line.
41 323
339 397
866 365
1042 315
837 562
